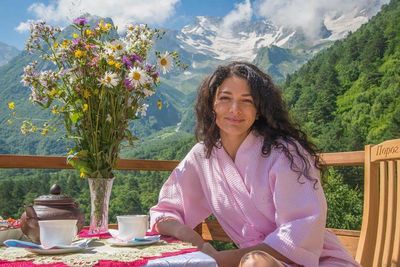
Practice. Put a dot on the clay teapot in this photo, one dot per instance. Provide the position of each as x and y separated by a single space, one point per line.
49 207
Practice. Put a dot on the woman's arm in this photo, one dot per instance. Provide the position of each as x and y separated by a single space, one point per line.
228 258
171 227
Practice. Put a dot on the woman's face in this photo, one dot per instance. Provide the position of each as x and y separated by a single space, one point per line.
234 108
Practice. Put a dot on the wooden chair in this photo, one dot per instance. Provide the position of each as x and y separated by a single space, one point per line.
379 243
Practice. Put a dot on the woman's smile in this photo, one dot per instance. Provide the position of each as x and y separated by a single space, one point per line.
234 120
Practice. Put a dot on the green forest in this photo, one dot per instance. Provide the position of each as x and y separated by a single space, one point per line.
345 97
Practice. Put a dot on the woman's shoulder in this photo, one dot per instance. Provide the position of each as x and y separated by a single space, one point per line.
198 150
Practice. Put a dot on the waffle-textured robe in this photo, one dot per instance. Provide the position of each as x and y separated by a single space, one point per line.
255 199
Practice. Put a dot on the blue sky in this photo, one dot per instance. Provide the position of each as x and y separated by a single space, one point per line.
173 14
14 12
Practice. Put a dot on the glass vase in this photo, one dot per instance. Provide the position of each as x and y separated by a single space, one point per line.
100 191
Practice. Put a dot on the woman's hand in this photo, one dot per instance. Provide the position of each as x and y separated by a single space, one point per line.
208 249
180 231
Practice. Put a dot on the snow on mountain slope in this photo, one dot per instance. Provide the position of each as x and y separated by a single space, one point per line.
341 25
208 36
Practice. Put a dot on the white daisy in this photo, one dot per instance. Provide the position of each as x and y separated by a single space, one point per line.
165 62
115 48
137 76
118 47
110 79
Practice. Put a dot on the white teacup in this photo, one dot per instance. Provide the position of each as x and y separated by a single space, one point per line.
132 226
57 232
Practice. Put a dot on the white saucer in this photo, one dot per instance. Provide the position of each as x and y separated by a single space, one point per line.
76 246
116 241
130 243
53 251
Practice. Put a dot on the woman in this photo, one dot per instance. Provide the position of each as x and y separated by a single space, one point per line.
255 171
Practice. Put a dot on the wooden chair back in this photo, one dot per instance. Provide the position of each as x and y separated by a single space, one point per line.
379 243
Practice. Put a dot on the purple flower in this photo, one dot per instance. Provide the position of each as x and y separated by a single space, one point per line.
148 67
135 58
126 61
80 21
76 41
128 84
151 69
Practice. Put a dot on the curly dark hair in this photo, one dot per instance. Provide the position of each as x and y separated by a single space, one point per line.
273 122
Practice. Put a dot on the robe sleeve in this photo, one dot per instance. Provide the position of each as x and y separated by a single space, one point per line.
182 197
300 213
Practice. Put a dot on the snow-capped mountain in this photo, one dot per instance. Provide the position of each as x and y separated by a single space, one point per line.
210 36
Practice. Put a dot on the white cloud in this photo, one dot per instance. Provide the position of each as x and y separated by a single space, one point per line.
23 26
242 12
310 14
122 12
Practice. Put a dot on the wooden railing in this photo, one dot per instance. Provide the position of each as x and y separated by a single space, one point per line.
210 230
353 158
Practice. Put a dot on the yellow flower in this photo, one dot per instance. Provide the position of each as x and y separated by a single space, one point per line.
11 105
53 92
86 93
82 175
118 65
75 35
103 26
88 32
85 107
64 44
111 62
55 45
79 53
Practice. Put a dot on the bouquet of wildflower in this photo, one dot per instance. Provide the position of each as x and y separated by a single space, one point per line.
99 83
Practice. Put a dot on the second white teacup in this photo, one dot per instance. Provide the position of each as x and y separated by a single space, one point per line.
132 226
57 232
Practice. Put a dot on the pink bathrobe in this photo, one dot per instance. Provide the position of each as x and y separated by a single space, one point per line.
255 199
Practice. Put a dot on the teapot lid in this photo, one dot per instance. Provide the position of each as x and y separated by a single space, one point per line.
55 198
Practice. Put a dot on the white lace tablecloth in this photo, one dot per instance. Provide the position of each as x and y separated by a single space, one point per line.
193 259
103 251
